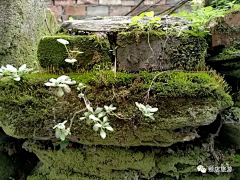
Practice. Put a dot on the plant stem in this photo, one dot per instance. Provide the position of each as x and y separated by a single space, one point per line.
71 121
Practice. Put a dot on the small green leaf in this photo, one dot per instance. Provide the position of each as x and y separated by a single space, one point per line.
96 127
105 119
101 114
157 19
60 92
109 128
64 144
103 134
98 110
89 108
142 15
208 9
149 14
135 19
70 18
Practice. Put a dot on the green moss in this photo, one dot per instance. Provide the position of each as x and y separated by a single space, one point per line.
227 54
108 162
52 54
183 99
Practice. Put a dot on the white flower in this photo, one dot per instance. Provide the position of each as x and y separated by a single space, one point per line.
72 61
63 41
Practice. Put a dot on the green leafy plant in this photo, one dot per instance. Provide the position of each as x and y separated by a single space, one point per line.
199 20
152 22
225 3
62 83
13 72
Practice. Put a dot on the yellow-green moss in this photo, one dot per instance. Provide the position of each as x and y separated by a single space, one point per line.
183 99
52 54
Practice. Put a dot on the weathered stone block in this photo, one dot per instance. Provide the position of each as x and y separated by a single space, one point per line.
158 51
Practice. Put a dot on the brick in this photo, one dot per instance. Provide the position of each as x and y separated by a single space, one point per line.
71 10
57 10
154 2
172 2
129 3
87 2
64 2
98 11
110 2
119 10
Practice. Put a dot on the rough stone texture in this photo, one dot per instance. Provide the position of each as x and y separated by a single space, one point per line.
113 23
227 30
22 24
158 51
115 163
230 131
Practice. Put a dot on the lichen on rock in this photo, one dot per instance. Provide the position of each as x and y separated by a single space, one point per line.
22 24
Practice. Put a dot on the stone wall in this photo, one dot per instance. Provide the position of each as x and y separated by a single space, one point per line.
63 9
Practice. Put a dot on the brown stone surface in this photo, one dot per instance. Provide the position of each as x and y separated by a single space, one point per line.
226 30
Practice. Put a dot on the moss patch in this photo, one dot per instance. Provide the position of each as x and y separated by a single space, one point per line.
108 162
52 54
183 99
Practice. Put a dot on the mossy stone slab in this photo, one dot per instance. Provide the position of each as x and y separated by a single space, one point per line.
185 102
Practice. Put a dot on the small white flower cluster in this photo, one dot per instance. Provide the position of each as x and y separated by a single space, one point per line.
61 82
15 74
71 58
